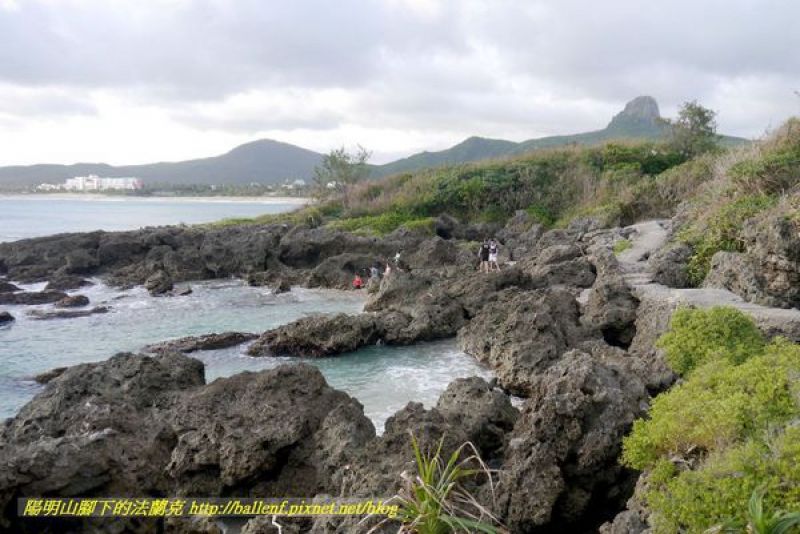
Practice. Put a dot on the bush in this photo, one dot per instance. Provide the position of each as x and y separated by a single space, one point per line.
384 223
775 168
720 405
696 336
718 493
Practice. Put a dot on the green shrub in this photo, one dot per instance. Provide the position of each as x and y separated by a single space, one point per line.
718 492
696 336
720 405
721 230
426 225
775 168
541 215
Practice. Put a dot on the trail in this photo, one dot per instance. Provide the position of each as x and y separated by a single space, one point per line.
649 236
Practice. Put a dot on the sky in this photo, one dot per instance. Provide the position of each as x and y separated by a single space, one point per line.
139 81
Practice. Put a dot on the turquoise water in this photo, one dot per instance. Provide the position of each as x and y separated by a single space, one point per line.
382 378
24 216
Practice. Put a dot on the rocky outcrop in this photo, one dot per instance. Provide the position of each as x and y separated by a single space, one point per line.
136 425
206 342
63 281
560 467
8 287
159 283
522 334
47 376
669 265
73 301
611 309
6 318
318 336
32 297
43 315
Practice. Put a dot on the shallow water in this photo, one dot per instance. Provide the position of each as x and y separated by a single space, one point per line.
24 216
382 378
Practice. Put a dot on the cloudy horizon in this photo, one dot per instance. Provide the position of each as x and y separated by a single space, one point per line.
121 82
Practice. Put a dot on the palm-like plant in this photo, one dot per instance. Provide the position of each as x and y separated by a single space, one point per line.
434 501
759 521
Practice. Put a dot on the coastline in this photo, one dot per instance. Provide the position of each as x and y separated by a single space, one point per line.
93 197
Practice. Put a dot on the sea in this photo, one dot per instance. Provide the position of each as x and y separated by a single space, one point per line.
382 378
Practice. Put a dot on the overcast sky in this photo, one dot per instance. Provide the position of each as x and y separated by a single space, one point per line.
135 81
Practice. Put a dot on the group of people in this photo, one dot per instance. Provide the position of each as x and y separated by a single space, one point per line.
488 256
375 273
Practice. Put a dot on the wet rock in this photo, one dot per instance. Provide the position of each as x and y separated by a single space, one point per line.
64 282
158 283
318 336
282 286
611 309
73 301
560 466
136 425
47 376
206 342
8 287
32 297
6 318
43 315
338 271
669 265
184 291
522 334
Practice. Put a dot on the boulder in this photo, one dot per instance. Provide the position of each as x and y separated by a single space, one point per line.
158 283
184 291
742 274
522 334
62 281
281 286
136 425
669 265
483 413
318 335
561 464
337 272
6 318
8 287
578 273
47 376
31 297
206 342
611 309
73 301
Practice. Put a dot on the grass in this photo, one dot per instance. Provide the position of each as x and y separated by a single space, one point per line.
621 246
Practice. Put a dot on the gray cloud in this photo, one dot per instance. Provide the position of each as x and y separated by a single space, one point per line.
510 68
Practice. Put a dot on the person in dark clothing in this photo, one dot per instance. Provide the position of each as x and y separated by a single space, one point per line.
483 254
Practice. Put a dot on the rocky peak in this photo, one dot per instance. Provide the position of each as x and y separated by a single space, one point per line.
642 110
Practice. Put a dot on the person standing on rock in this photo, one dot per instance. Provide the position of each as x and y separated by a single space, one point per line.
493 249
483 254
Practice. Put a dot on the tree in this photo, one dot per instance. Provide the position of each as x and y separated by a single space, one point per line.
339 171
695 130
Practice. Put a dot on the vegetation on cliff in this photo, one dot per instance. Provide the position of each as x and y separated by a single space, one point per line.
727 431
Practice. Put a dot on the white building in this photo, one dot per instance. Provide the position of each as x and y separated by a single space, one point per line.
96 183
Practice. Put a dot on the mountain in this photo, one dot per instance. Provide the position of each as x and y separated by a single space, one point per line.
640 119
262 161
266 161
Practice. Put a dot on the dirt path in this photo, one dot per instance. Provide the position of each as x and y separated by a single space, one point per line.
649 236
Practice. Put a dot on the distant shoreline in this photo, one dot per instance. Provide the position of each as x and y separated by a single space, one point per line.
90 197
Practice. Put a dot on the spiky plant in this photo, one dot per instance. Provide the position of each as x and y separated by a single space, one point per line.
759 521
435 502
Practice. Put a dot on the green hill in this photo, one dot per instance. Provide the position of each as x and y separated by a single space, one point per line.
639 120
